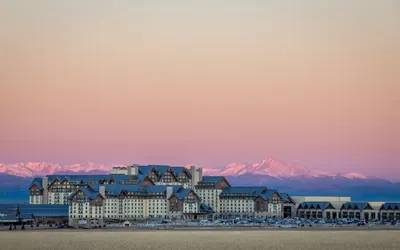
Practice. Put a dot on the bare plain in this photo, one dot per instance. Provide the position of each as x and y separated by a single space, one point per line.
198 239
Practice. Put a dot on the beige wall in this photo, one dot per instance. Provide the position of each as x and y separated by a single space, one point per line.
300 199
237 206
337 201
35 199
210 197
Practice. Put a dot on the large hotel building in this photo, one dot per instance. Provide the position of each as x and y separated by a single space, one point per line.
158 191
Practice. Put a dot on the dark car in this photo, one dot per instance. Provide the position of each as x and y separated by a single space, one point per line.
258 221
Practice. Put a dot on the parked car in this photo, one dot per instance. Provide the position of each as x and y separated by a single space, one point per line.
258 221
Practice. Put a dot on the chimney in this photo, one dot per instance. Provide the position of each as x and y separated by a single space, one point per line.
169 193
200 178
135 169
102 190
193 173
129 170
45 185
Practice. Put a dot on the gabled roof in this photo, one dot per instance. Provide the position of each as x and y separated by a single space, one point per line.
78 178
356 205
146 178
212 179
243 191
187 171
172 173
118 179
390 206
316 205
38 182
90 193
286 196
125 179
177 170
204 208
161 169
144 170
267 194
183 192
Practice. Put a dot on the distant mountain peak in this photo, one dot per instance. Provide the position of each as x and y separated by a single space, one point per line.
272 159
353 175
276 168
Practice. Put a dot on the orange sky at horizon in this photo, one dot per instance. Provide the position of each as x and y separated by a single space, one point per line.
207 83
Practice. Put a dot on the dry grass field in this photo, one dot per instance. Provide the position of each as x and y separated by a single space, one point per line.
109 240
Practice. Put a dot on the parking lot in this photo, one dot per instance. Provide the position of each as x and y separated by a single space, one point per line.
262 223
230 224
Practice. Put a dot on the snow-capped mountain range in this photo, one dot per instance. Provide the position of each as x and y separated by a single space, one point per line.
31 169
277 169
270 167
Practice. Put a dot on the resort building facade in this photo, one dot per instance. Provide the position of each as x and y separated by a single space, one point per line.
245 202
155 191
159 191
209 190
390 211
344 208
96 204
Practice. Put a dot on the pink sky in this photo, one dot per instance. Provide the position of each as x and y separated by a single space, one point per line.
210 83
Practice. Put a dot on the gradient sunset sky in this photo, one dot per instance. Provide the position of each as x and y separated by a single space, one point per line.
202 82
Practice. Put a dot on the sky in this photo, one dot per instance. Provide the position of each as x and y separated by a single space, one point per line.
202 82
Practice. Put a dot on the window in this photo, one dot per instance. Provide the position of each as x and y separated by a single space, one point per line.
275 199
153 176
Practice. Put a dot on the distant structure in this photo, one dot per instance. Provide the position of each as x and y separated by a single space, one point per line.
33 213
341 207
